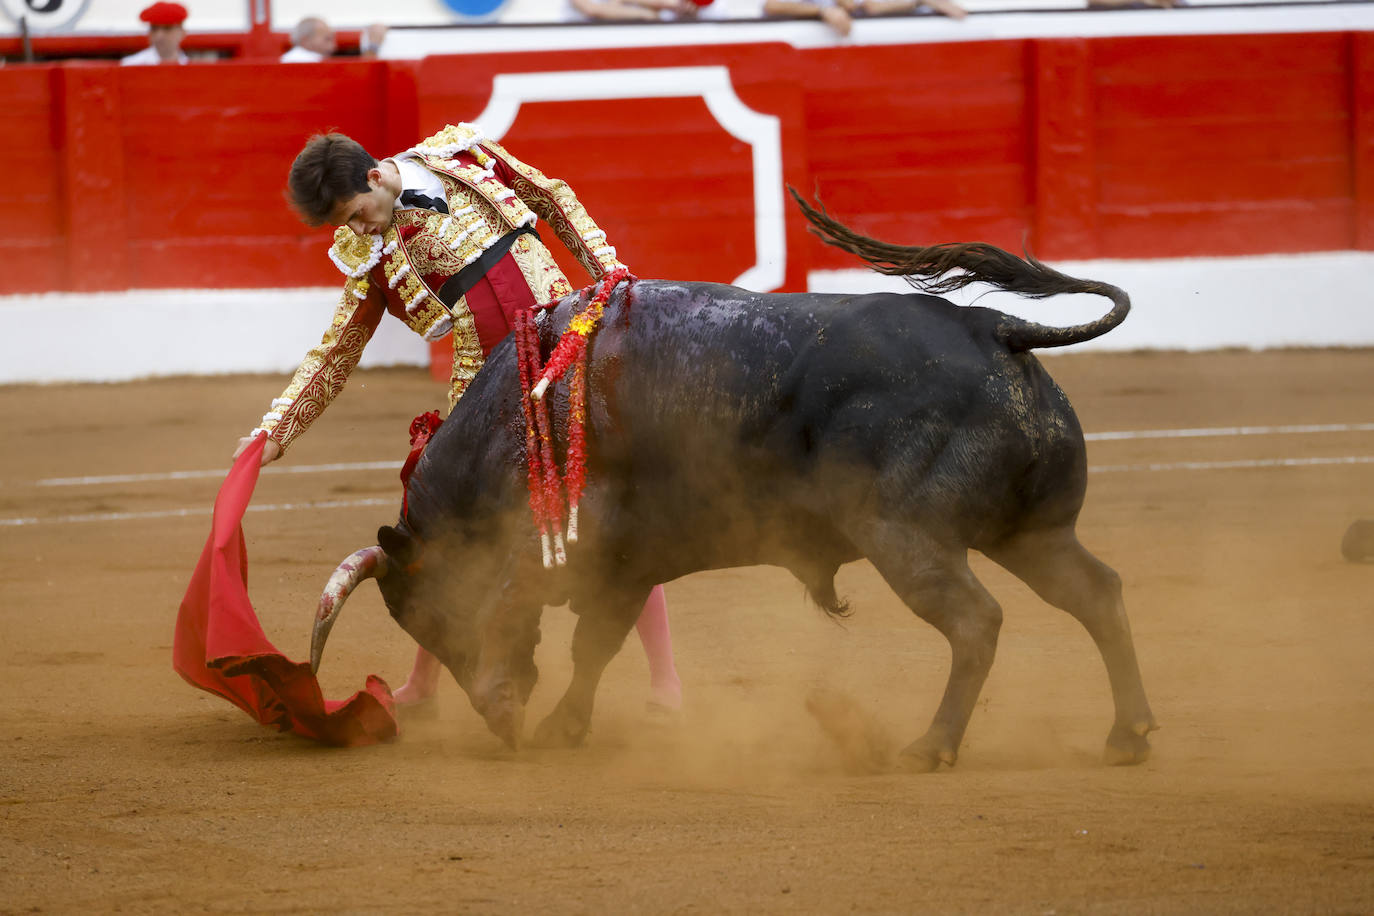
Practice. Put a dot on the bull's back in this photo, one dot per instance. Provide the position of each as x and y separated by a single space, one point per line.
729 360
811 406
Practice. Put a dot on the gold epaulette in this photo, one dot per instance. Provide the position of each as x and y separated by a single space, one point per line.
355 254
449 142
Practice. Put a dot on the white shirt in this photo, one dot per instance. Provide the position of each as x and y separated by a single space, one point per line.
149 56
415 177
299 55
713 10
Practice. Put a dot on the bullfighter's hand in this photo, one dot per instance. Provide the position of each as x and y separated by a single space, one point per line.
271 451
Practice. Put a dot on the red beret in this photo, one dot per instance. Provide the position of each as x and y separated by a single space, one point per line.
164 14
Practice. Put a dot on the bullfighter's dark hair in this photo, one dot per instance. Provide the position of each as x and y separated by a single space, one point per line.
331 169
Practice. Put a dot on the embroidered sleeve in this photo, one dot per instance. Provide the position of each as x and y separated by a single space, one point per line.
325 369
555 203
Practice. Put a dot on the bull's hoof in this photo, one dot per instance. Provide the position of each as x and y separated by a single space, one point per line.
559 730
1127 746
1358 544
925 754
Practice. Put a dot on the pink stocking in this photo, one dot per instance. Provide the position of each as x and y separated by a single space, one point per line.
666 689
423 680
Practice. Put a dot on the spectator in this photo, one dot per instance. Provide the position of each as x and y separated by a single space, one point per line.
312 40
643 10
370 40
840 14
1133 4
897 7
165 34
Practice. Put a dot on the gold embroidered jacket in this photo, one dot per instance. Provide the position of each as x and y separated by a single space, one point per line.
489 194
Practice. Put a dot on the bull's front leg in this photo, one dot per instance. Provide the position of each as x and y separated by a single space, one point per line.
600 632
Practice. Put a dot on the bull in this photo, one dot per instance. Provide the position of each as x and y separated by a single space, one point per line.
729 428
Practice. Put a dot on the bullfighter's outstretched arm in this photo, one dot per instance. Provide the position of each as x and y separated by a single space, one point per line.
325 369
555 203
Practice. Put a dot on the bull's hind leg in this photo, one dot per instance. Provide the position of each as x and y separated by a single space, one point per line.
937 584
1061 571
598 636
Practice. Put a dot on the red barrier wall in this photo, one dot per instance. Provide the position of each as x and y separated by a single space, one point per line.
1112 147
672 189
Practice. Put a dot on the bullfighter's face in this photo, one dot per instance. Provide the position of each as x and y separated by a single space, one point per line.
371 212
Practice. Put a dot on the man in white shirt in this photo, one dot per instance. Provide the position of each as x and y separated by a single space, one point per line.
312 40
643 10
165 34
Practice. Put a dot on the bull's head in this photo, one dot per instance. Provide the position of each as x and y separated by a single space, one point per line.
467 607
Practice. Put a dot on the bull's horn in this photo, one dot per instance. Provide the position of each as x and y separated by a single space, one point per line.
368 563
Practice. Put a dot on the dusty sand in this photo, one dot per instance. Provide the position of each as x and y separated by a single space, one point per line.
123 789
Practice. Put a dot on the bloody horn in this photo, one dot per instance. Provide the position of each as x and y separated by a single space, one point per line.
368 563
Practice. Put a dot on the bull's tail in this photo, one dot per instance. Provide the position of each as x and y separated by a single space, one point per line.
945 268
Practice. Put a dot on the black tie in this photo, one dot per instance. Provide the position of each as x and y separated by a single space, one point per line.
416 199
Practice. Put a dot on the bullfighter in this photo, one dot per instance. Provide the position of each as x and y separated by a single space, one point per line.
443 237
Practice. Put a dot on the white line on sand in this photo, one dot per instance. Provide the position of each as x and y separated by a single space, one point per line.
1230 431
217 473
197 510
1219 431
1222 431
352 503
1232 465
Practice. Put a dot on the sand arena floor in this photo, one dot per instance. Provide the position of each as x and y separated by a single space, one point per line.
124 789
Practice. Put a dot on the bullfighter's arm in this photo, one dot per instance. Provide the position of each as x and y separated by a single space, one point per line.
325 369
554 202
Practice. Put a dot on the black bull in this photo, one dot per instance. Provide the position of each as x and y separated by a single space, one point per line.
728 428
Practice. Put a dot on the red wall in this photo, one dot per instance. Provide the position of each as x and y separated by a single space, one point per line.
1112 147
672 189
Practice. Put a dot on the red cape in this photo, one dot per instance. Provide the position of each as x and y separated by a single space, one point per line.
219 645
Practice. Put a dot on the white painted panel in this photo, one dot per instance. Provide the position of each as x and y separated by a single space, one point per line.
1313 300
120 336
1316 300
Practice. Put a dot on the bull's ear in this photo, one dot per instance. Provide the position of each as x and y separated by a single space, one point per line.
399 545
